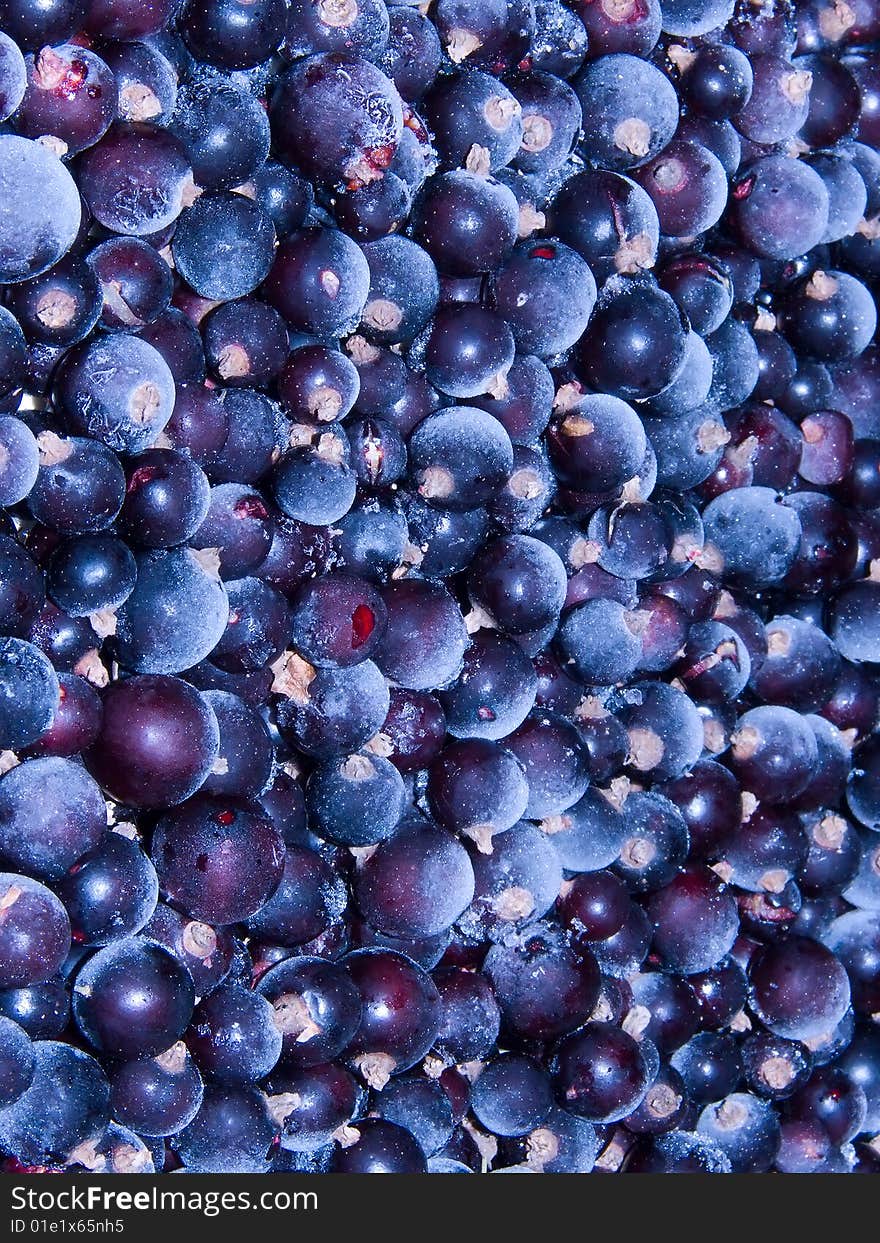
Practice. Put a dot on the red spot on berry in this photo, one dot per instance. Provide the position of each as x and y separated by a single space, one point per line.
250 507
363 623
225 817
412 122
75 76
142 476
380 157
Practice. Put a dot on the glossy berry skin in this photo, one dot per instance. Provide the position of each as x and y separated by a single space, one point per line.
600 1073
793 646
232 1131
132 999
629 110
35 936
110 892
425 637
432 862
232 1036
784 234
235 881
637 321
337 621
827 545
595 906
239 525
544 989
695 921
46 834
470 109
718 82
830 1098
774 753
401 1015
168 736
383 1148
774 1067
319 282
688 186
609 220
363 141
467 347
520 582
546 293
311 1104
23 592
554 760
320 383
42 1010
494 691
66 1104
113 171
404 289
135 282
470 1015
157 1096
514 1096
317 1008
786 1009
17 1064
466 223
245 344
91 574
478 788
830 316
223 34
655 843
707 799
448 477
306 904
450 537
710 1066
71 95
166 499
721 992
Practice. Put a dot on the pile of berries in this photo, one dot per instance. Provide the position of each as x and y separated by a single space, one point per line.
439 586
